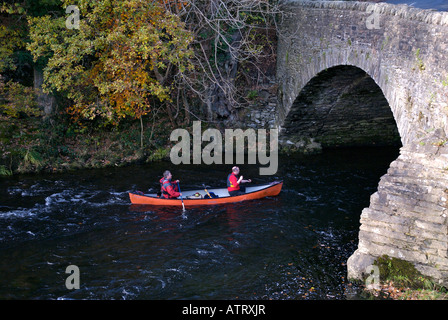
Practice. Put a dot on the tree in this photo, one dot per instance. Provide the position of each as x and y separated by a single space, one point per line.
17 99
228 34
18 72
121 57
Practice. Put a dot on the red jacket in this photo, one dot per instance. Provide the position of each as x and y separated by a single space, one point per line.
232 182
168 191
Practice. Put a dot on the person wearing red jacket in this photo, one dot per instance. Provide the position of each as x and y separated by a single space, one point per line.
233 183
167 189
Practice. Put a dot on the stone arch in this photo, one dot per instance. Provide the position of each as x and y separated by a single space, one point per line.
406 57
341 106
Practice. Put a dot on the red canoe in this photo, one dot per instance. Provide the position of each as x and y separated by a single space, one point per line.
252 193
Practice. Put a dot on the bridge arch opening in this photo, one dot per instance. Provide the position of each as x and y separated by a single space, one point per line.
342 106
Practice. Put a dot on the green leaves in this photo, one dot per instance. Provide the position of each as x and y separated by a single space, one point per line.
124 54
16 99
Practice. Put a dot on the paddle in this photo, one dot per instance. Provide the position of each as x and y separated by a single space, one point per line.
205 188
183 206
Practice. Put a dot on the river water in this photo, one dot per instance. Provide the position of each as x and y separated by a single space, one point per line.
293 246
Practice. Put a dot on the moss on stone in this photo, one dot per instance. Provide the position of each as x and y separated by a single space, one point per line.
399 271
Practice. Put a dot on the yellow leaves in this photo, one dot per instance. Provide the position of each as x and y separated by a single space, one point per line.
124 55
16 99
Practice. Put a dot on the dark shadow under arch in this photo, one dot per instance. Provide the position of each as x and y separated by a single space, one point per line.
342 107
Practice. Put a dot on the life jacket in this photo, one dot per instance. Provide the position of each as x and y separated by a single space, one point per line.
230 186
164 184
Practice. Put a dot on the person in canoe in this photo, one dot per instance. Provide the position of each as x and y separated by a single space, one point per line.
234 183
167 189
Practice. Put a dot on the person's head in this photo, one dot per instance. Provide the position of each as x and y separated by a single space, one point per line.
167 175
236 170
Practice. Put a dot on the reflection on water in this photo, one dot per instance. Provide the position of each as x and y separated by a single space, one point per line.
293 246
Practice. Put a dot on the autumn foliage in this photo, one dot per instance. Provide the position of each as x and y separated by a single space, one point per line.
130 57
119 60
157 61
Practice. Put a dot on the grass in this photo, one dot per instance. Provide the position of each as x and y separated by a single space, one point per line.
4 171
400 280
33 145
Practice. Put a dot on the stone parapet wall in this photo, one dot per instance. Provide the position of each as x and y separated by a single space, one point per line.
387 9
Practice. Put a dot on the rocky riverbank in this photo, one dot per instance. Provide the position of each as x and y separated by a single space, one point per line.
400 280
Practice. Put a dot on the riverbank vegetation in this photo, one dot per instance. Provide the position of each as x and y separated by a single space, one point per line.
400 280
98 83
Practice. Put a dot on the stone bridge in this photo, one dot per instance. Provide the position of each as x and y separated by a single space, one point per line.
357 73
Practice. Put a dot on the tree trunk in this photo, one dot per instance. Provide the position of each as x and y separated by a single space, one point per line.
186 107
221 100
141 132
45 101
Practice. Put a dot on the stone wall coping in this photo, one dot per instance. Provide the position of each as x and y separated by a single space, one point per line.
403 11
